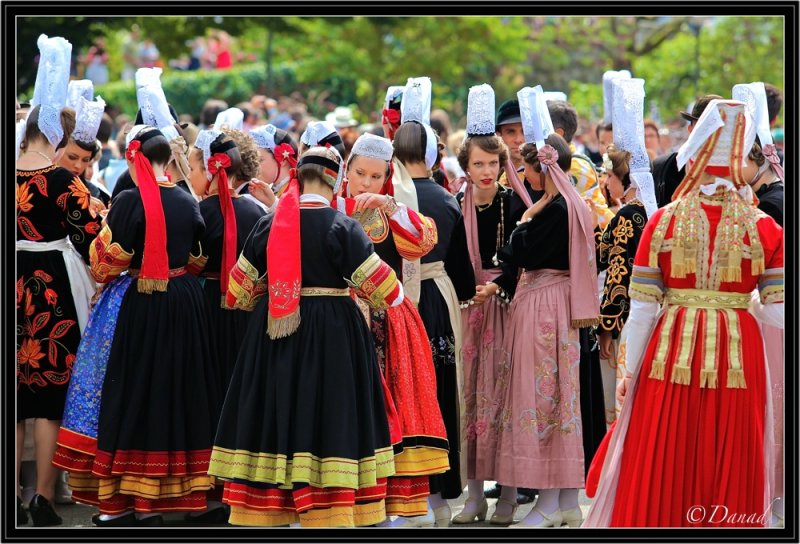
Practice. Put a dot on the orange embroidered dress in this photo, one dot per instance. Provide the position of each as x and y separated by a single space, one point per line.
405 358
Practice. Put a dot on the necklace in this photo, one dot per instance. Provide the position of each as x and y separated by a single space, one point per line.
484 207
42 155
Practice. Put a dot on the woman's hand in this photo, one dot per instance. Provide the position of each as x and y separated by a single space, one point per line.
261 191
366 201
605 340
540 204
484 293
592 210
96 206
622 389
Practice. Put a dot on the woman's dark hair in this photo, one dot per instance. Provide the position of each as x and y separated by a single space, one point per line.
92 147
490 143
620 161
530 153
32 132
757 154
409 143
155 148
607 127
105 128
323 159
226 143
283 137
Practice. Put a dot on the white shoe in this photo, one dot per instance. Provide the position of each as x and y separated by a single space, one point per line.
573 517
465 517
552 520
428 520
443 516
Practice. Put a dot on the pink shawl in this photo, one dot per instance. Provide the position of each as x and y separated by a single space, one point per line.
583 295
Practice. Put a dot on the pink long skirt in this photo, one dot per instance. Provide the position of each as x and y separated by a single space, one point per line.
539 442
483 352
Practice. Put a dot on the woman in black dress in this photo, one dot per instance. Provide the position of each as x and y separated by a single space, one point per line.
229 218
160 399
303 434
53 289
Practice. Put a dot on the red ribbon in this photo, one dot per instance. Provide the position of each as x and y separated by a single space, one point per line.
217 164
283 254
155 260
392 118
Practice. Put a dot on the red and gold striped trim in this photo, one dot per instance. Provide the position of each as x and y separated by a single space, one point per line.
108 259
376 282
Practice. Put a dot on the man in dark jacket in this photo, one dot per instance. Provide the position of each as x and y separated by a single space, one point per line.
666 175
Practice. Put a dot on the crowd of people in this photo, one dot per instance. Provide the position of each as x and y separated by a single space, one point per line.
263 319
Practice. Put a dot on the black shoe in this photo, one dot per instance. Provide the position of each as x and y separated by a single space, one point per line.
128 520
493 493
151 521
42 512
217 516
525 495
22 514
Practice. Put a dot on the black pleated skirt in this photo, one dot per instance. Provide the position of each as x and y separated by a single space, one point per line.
433 310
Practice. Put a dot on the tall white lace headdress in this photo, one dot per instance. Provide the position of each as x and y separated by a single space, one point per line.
52 82
88 115
754 96
78 88
480 110
628 121
608 91
536 122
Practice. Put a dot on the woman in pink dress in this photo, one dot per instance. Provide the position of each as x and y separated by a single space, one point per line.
539 439
487 218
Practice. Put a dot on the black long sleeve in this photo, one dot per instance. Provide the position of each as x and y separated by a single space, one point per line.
542 242
457 264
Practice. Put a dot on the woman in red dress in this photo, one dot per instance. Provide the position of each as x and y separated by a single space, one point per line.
398 233
692 445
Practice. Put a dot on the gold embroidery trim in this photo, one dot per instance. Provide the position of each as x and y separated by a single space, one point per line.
735 370
708 374
303 467
681 369
705 298
659 233
657 369
324 292
108 259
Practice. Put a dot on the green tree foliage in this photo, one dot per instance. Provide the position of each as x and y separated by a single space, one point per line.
352 60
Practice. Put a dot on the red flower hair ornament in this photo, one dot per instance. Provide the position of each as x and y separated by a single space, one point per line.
284 152
218 161
134 147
